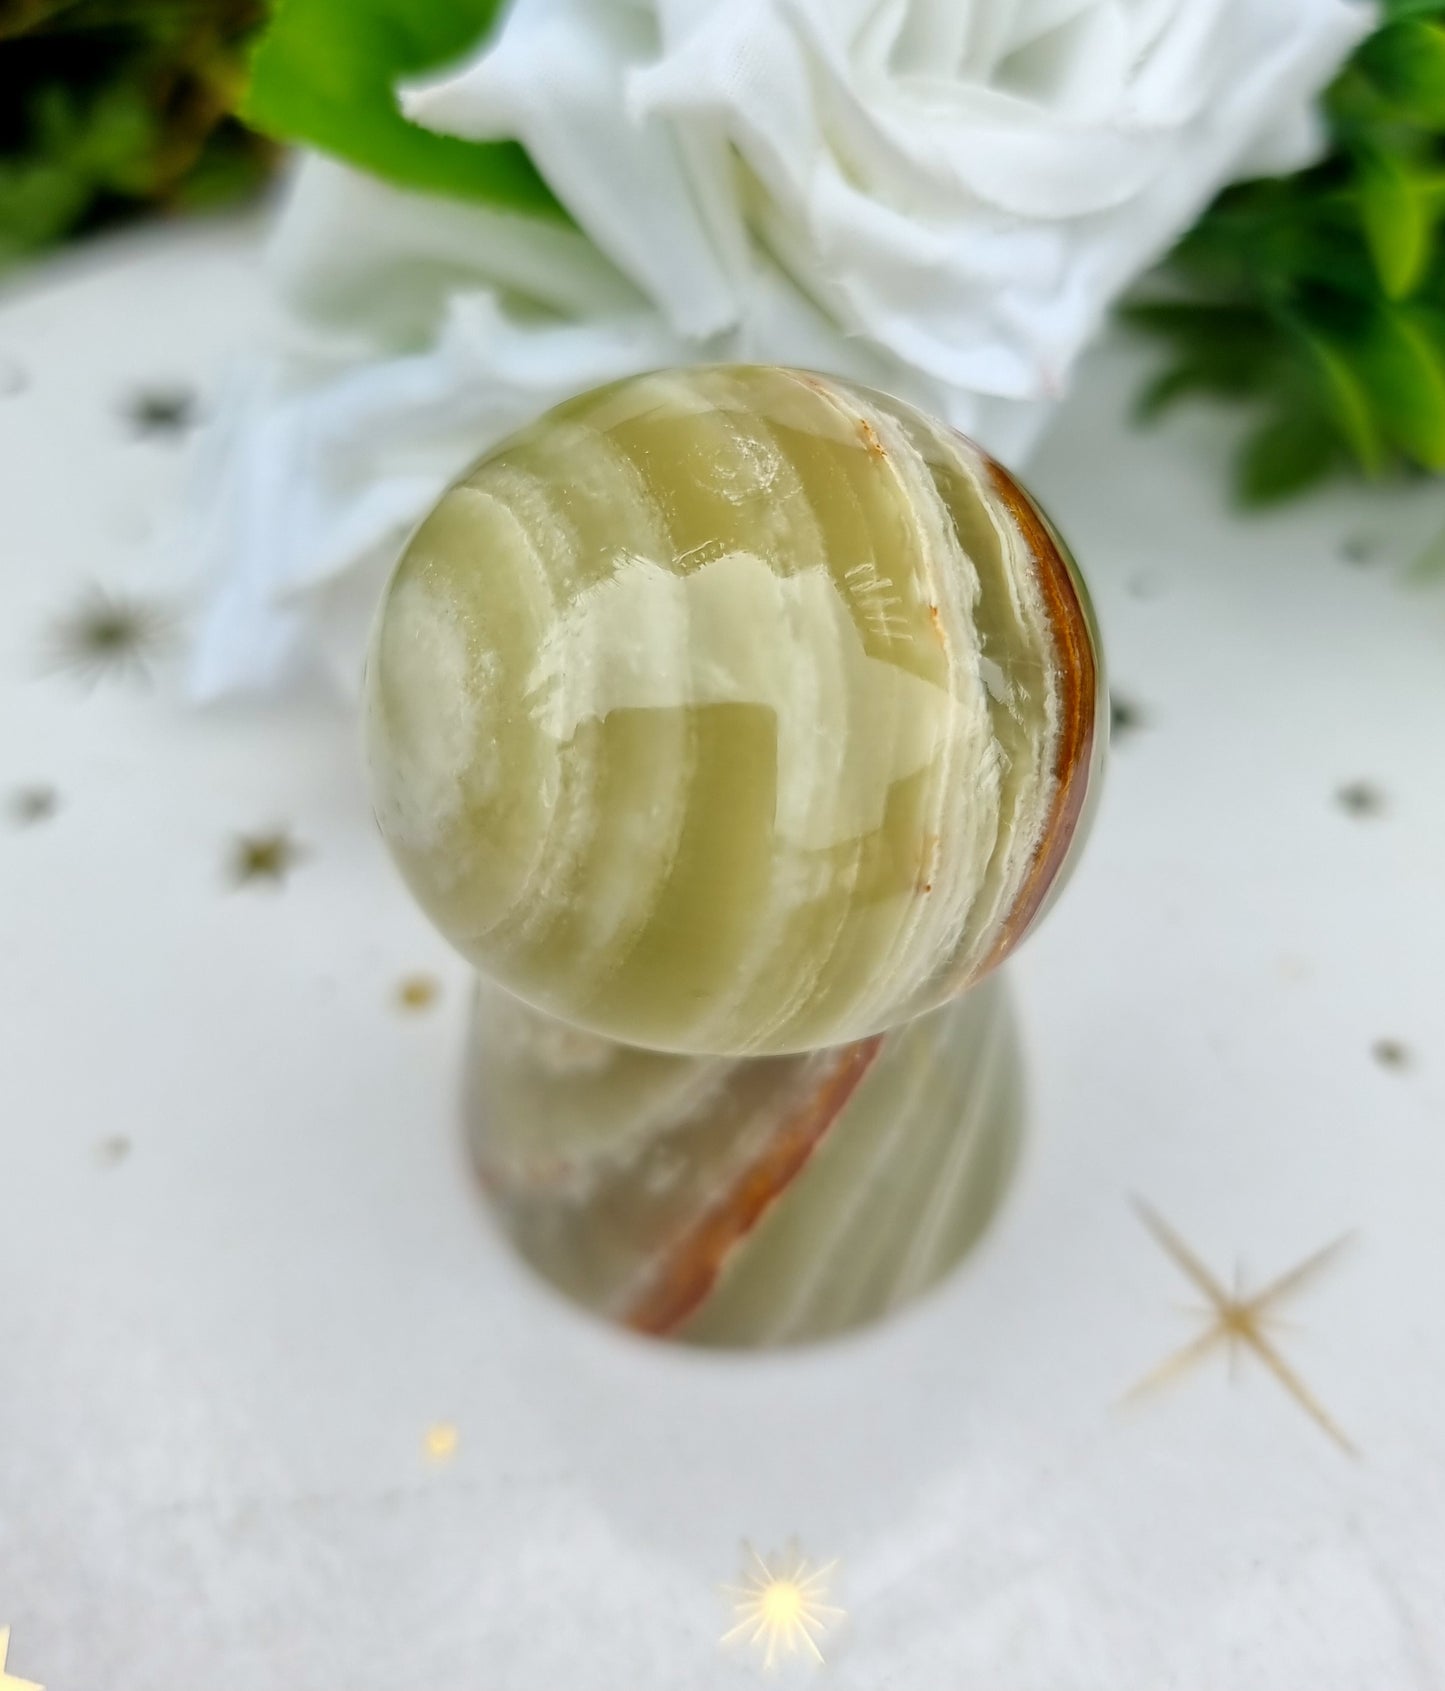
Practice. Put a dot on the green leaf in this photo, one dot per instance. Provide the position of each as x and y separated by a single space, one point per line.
1406 61
1192 318
1401 366
1430 185
1283 456
39 200
1396 210
1227 351
325 72
1347 401
1326 288
1413 9
1190 376
1429 565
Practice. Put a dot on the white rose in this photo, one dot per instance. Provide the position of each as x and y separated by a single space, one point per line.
942 197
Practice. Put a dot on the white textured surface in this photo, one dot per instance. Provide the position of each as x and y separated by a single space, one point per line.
220 1355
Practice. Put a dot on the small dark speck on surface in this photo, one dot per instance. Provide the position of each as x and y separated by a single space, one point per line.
111 1151
1126 716
29 805
1358 549
1143 584
13 379
1391 1054
1360 798
161 411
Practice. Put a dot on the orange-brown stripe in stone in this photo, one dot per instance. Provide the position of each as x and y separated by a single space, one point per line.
1079 682
694 1263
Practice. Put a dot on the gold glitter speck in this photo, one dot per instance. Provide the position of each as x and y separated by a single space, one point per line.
440 1444
417 992
263 857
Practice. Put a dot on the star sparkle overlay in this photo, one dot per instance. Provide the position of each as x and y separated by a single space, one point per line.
109 636
1239 1322
8 1681
781 1610
263 857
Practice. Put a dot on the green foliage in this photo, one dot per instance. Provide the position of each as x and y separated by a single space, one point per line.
1405 61
325 72
1320 297
1396 213
111 106
1429 566
1285 453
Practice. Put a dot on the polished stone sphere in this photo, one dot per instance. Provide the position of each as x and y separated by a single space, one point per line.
733 710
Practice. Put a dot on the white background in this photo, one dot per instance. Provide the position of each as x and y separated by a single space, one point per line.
222 1346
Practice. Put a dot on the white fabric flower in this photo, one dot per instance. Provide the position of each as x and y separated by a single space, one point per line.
941 197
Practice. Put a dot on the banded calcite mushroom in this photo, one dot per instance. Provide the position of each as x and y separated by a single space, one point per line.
728 718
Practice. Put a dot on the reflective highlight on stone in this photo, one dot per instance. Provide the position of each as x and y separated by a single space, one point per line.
733 710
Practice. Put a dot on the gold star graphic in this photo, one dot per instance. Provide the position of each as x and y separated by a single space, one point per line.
8 1681
1239 1321
417 992
782 1610
264 857
109 635
441 1442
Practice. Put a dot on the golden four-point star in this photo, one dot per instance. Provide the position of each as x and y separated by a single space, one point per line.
782 1610
8 1681
1240 1321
